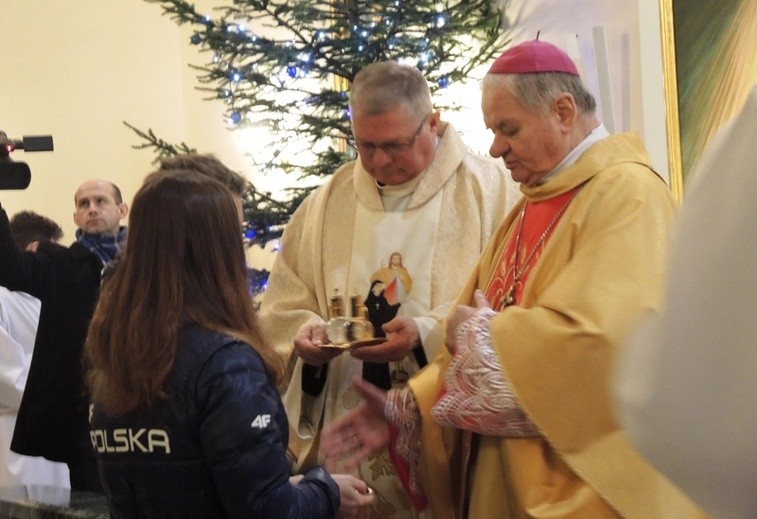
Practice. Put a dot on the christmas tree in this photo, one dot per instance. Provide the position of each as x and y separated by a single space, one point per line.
286 65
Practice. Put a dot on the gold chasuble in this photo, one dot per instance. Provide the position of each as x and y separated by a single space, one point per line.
410 260
584 255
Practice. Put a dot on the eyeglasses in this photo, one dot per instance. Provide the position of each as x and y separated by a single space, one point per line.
390 148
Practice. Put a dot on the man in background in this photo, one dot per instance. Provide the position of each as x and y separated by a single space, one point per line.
210 166
19 315
53 416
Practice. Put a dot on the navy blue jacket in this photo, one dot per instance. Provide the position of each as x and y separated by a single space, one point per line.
216 448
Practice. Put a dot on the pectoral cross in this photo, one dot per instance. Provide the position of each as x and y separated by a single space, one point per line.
508 299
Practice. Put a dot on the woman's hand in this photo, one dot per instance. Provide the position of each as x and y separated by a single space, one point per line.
355 495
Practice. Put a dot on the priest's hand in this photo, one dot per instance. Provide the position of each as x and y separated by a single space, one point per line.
402 336
358 434
308 344
459 314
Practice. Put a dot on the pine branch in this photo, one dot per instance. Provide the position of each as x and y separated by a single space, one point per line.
162 148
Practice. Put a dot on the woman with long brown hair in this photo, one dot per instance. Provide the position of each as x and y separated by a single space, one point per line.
186 419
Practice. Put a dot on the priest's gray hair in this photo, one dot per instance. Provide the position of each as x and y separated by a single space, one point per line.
537 91
386 85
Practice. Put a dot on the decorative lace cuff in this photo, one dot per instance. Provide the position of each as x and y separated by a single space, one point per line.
477 397
402 413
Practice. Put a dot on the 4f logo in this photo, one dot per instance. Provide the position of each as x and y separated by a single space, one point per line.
261 421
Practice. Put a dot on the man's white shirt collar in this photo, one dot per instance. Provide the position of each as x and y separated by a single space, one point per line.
596 135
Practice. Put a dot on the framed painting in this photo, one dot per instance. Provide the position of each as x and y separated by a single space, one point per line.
709 65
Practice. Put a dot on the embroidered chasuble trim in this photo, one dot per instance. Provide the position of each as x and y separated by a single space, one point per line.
531 232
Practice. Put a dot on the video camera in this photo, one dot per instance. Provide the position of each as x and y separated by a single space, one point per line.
17 175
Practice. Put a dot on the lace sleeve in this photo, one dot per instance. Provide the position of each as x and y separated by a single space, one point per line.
477 396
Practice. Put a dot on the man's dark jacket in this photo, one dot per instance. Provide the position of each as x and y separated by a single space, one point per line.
52 418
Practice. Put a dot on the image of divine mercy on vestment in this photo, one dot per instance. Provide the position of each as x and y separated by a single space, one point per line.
389 286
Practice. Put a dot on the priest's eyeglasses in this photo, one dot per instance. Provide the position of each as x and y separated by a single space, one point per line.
393 149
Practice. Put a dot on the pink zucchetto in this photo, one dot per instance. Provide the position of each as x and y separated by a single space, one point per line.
533 56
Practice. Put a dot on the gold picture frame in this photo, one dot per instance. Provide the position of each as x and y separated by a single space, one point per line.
671 97
709 66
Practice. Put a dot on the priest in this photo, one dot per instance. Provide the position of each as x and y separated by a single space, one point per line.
514 418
